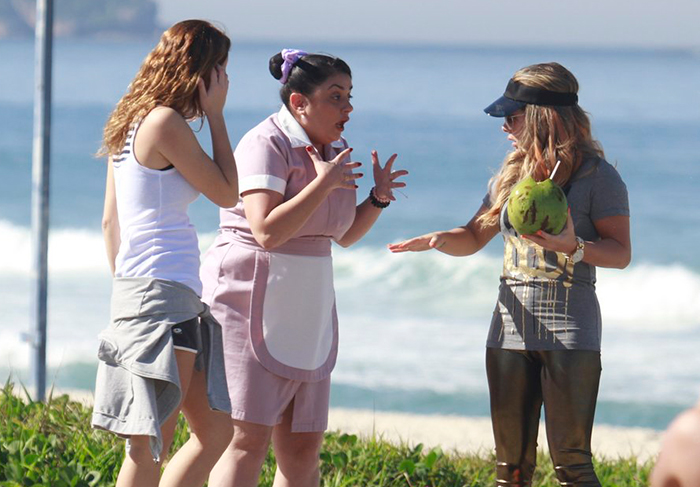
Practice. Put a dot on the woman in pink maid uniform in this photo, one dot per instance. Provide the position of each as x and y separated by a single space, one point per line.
269 278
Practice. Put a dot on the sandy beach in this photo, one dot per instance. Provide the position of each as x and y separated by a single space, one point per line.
471 434
461 434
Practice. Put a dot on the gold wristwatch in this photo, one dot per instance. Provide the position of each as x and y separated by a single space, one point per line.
577 256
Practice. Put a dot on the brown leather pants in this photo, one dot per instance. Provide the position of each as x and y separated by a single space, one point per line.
566 381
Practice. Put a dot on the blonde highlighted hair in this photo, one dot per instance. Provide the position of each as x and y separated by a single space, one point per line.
186 53
549 134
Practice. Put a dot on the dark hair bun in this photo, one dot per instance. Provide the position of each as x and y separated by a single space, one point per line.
276 62
313 70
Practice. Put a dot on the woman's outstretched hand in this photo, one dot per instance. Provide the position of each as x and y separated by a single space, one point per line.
564 242
385 179
428 241
212 100
336 173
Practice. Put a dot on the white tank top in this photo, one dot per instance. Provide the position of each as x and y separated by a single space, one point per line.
157 238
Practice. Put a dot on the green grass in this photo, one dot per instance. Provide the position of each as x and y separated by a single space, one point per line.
53 445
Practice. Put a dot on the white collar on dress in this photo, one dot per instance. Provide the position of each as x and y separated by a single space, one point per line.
296 133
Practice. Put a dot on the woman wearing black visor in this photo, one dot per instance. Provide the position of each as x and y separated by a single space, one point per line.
543 345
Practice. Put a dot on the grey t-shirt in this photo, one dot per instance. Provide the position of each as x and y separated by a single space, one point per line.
546 302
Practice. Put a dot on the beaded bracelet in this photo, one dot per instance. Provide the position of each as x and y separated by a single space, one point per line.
377 202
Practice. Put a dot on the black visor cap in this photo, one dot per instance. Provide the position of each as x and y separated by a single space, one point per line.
504 107
518 95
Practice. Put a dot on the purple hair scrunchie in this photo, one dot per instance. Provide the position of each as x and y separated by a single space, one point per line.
290 56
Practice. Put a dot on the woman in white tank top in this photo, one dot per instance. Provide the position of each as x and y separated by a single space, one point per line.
156 169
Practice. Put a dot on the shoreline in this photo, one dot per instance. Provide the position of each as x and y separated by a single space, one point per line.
460 434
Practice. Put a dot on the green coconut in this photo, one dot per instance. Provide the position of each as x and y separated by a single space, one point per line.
534 206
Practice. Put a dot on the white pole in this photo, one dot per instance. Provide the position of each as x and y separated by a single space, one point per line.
40 188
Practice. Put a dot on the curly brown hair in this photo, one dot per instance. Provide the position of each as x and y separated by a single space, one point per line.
549 134
186 53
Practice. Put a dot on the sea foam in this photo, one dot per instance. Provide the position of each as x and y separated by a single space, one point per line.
427 285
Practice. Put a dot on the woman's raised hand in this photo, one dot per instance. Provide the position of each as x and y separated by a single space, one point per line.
384 178
336 173
428 241
212 100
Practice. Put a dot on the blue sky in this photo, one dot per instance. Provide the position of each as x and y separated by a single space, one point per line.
584 23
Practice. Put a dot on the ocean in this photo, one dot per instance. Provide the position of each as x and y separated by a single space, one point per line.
413 326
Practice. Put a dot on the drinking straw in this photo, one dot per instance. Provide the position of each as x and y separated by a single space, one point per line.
551 176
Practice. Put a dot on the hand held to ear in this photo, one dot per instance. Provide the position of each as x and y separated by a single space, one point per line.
213 99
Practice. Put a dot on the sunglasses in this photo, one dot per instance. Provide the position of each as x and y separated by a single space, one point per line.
510 120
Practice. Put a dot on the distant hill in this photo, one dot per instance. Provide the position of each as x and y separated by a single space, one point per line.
83 18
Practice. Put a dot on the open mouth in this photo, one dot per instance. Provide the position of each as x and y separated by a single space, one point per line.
341 125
